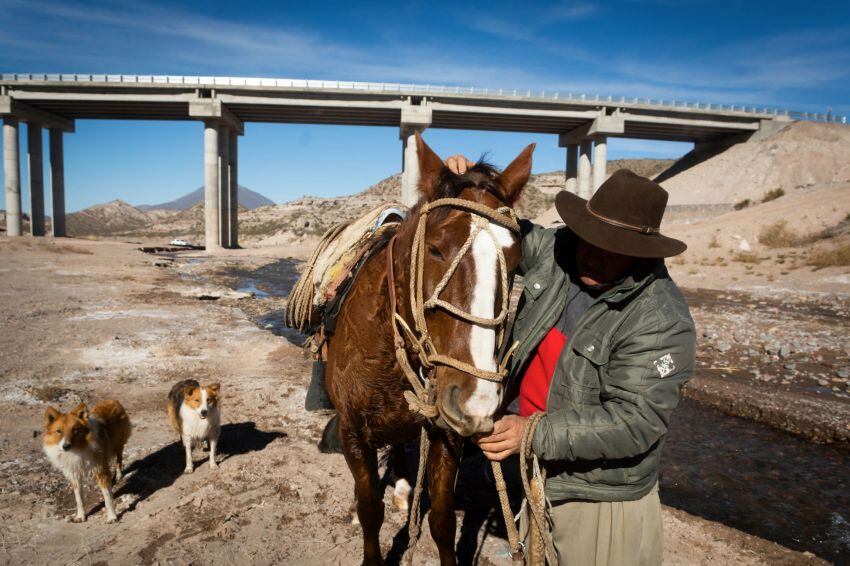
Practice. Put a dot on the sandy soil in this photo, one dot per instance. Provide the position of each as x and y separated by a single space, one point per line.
92 320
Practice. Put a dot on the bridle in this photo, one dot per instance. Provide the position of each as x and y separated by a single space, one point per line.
421 399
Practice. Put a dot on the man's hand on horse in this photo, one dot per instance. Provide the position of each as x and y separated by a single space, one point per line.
505 439
458 164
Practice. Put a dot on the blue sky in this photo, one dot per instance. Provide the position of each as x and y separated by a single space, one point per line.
783 54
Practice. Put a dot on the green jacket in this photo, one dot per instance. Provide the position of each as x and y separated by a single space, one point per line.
618 378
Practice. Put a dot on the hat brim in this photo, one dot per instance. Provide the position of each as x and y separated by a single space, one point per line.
573 211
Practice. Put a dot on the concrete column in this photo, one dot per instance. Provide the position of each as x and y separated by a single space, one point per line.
12 175
409 167
57 182
234 189
36 174
572 168
600 161
211 173
584 169
224 186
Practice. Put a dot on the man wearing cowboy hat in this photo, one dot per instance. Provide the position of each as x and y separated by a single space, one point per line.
606 344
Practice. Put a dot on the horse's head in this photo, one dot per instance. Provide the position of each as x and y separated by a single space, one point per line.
466 261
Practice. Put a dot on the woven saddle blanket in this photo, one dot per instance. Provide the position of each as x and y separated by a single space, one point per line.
327 277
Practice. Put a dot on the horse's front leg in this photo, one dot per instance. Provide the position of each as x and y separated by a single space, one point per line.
363 463
443 461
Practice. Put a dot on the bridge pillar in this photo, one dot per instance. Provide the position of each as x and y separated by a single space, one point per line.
600 161
57 182
35 164
12 175
584 189
234 190
571 170
224 185
211 186
414 118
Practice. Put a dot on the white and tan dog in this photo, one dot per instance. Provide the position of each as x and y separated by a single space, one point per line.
194 414
81 442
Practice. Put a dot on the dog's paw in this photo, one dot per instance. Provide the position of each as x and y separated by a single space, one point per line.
188 470
112 519
213 465
77 519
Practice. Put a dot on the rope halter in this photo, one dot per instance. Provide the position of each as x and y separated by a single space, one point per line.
419 337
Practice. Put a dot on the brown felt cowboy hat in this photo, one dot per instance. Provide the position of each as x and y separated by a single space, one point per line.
623 216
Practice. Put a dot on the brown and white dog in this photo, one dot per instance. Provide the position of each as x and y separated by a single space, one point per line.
194 414
81 442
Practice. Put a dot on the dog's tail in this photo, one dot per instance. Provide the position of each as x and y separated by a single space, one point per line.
330 443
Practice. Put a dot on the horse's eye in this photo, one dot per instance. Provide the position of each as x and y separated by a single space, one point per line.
435 252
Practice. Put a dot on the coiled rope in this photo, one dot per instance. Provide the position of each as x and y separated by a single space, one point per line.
299 307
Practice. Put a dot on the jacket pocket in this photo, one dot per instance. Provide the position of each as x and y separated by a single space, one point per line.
533 286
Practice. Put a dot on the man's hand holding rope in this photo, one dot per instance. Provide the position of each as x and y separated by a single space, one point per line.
506 438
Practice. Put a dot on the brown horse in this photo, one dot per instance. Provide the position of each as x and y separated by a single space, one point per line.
365 380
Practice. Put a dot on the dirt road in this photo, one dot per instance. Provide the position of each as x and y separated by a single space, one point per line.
84 321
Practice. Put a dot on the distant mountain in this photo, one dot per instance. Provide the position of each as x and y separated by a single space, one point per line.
247 198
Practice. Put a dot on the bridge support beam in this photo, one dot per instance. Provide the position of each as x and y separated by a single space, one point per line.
211 186
224 185
35 164
57 181
221 127
413 119
584 181
600 161
234 190
12 175
571 170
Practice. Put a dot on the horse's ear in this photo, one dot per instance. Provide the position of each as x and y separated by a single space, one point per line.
430 166
515 175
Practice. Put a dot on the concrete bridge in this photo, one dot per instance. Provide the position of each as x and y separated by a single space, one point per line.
225 104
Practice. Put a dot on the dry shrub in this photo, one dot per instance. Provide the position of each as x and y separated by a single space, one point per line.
746 257
773 195
740 205
833 257
777 235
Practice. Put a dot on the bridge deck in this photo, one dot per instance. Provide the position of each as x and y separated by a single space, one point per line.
371 104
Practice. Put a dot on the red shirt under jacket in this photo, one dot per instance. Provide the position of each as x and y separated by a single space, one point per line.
534 388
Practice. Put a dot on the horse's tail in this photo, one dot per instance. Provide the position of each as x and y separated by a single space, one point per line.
330 443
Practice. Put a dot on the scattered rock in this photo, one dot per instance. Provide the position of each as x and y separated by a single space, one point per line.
843 373
723 346
784 351
790 366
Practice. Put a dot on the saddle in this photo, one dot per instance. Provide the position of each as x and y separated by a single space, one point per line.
316 298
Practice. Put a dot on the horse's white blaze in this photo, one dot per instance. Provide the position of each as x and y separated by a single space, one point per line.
482 340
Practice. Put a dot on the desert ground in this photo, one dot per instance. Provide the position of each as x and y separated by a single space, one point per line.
85 320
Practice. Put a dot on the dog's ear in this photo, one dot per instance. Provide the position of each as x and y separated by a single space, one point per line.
81 411
188 388
214 387
50 415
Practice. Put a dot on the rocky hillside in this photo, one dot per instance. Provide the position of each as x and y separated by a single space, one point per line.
110 218
305 217
802 155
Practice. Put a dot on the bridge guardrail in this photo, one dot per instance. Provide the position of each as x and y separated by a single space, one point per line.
407 88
